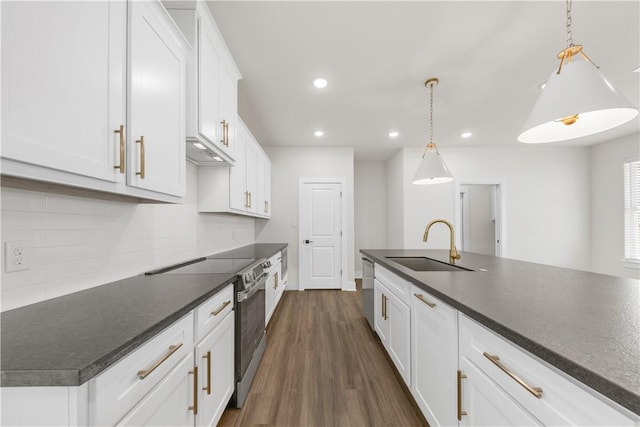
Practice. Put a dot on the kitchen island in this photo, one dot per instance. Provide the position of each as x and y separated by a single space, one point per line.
584 324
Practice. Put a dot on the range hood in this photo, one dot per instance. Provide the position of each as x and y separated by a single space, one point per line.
202 152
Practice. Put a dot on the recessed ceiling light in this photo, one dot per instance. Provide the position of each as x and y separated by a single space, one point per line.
318 133
320 83
542 85
394 134
217 158
636 70
466 134
199 146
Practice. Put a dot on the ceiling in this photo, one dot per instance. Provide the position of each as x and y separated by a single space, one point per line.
490 57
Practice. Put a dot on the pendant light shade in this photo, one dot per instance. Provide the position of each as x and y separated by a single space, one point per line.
577 102
432 169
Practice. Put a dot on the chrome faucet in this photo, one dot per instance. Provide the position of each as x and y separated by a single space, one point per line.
453 252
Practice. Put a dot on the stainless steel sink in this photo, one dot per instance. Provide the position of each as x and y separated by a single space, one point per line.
426 264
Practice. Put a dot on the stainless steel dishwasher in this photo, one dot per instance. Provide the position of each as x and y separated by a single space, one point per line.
367 290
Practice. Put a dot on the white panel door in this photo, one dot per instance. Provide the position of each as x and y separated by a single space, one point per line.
156 102
320 234
63 85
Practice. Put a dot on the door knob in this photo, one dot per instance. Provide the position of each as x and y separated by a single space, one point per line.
308 241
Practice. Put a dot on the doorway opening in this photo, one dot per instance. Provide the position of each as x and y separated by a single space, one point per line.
480 218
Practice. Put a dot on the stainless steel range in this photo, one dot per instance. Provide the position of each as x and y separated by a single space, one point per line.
251 338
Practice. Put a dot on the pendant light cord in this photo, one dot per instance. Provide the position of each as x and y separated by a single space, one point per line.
431 114
569 34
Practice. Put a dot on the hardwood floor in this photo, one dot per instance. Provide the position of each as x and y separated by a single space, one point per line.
324 367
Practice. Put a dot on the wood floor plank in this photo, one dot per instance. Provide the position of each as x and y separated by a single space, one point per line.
324 367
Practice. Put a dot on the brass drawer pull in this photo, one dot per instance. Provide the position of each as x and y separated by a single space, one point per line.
208 387
142 374
461 376
421 298
194 408
246 199
141 142
536 391
249 199
222 307
121 165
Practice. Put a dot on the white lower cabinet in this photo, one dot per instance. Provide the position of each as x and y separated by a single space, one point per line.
274 287
463 374
393 327
534 388
434 357
484 403
168 381
171 403
214 358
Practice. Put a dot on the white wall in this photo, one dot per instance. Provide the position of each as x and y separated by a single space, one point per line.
370 210
80 242
607 205
395 201
289 164
546 191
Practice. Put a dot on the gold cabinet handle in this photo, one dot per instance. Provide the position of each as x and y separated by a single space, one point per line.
141 142
225 133
142 374
222 307
122 153
208 387
536 391
275 286
384 306
249 198
461 376
194 408
246 199
266 206
421 298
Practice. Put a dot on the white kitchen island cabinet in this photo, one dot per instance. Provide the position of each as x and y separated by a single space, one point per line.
85 85
434 357
464 374
392 321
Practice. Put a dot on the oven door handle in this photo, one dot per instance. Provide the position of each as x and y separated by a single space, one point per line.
245 295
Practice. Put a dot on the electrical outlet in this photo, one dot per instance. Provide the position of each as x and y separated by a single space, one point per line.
17 256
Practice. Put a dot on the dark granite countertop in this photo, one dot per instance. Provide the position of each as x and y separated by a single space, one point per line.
256 250
585 324
68 340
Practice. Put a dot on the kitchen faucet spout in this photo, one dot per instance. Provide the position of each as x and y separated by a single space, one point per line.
453 252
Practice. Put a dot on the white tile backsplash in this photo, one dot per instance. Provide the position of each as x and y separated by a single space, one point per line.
80 242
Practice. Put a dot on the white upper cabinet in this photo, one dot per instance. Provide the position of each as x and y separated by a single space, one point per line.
63 94
239 189
156 102
212 86
74 103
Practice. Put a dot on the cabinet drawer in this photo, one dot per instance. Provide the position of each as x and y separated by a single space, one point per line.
114 392
562 400
210 313
398 286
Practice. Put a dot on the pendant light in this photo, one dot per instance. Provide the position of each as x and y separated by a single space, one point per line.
577 100
432 169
